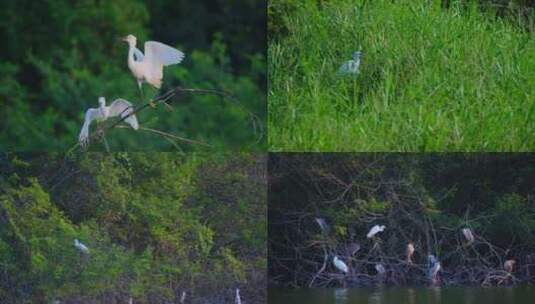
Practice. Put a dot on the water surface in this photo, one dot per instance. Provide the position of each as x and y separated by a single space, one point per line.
450 295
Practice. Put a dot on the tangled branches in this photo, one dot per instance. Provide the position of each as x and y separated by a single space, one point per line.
354 194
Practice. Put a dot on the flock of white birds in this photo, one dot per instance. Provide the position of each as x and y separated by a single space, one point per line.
434 266
145 67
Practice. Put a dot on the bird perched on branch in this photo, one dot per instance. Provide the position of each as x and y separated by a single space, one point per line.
375 229
509 265
380 269
148 67
433 269
323 225
83 248
351 67
468 235
410 252
118 107
340 265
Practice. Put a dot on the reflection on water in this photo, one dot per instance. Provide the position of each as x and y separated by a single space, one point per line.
436 295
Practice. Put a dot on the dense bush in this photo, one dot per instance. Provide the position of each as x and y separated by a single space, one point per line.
156 225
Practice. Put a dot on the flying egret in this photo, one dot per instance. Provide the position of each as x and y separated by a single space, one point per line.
508 265
410 252
340 265
238 299
375 229
468 235
118 107
323 225
81 246
434 268
351 67
148 67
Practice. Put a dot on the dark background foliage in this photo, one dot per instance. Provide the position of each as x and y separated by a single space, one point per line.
156 224
59 56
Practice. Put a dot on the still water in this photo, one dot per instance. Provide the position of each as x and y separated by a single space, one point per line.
461 295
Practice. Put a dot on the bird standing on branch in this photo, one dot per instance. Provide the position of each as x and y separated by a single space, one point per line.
375 229
148 67
340 265
468 235
509 265
410 252
118 107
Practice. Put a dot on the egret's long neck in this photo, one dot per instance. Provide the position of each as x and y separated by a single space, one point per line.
131 61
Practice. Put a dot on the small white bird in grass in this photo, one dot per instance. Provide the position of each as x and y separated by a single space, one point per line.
148 67
238 299
83 248
468 235
118 107
340 265
375 229
351 67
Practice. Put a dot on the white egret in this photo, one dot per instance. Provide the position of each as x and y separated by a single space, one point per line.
380 269
118 107
375 229
148 67
323 225
183 297
434 268
238 299
351 67
509 265
468 235
83 248
410 252
340 265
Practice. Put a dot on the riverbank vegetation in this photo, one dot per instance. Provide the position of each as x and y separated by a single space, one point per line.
423 199
434 75
155 224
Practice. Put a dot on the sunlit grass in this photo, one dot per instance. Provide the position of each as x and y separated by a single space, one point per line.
431 80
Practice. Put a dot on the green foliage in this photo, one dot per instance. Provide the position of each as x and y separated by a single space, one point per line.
432 79
148 220
61 56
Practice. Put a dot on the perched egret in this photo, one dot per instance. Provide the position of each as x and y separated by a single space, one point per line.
183 297
410 252
340 265
81 246
148 67
351 67
468 235
238 299
375 229
380 269
118 107
509 265
434 268
323 225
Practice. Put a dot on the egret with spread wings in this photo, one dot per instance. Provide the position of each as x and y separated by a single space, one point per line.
148 67
118 107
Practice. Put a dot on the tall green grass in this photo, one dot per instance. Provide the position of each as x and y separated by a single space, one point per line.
432 79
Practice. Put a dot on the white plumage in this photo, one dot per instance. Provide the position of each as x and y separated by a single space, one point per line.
375 229
380 269
118 107
81 246
238 299
351 67
148 67
468 235
323 225
340 265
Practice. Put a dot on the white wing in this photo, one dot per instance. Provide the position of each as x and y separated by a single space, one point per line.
159 53
121 107
373 231
90 115
138 55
